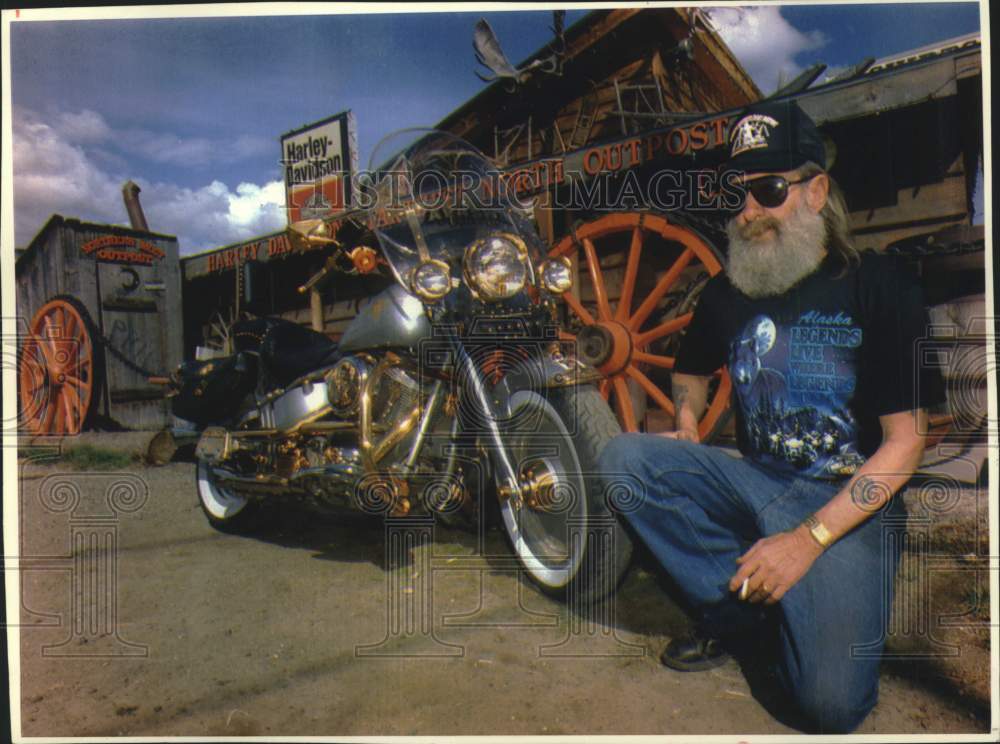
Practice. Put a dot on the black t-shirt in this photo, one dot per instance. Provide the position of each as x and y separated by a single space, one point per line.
814 368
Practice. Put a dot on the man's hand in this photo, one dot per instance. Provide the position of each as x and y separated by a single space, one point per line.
774 565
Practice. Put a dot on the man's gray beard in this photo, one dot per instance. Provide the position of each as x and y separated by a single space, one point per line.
764 268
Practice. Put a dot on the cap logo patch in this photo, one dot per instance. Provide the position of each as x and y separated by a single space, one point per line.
751 133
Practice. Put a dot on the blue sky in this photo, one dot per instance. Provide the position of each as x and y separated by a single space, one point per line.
192 109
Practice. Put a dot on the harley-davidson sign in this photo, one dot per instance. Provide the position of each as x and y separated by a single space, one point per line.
318 161
227 258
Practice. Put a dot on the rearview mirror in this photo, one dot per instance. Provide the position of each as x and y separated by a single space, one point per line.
306 234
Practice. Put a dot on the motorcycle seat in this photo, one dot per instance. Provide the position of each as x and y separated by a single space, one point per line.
211 391
289 350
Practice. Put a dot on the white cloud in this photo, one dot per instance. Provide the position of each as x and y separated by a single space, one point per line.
258 205
191 152
160 147
55 171
83 127
87 127
765 43
53 175
213 215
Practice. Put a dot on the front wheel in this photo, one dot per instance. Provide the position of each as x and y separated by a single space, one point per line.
226 511
562 527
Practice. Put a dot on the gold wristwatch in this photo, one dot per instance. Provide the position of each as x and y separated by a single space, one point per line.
818 531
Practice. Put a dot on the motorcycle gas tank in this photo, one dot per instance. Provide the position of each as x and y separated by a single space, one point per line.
394 318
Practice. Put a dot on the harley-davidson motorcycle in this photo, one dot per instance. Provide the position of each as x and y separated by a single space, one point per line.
449 388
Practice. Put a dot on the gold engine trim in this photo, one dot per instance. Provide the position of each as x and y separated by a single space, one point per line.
372 452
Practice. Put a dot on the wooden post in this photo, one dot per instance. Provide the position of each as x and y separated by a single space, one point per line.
316 309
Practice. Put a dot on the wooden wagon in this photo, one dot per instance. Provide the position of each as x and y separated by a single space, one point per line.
100 309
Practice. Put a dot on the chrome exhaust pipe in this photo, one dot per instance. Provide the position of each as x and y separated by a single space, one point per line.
261 484
341 474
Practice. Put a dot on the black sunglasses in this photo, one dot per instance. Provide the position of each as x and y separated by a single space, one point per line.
772 191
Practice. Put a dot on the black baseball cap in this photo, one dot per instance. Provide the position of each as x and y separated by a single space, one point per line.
774 137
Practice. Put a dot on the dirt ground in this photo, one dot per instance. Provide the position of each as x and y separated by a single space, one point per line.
139 619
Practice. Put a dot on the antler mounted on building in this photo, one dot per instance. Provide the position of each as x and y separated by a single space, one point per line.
490 54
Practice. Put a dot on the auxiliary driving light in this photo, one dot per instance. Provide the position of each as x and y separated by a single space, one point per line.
431 280
556 275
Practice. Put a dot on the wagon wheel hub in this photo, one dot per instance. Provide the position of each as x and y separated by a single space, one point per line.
621 337
606 345
55 372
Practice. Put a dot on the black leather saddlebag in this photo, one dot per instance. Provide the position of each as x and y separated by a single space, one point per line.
211 391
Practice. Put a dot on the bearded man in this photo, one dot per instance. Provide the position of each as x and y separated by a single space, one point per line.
795 537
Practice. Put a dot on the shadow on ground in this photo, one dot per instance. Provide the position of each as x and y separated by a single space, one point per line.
647 603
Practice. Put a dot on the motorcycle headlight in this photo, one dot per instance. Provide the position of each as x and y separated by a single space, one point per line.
431 280
496 267
556 275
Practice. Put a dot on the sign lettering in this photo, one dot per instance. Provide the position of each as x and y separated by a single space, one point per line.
113 249
318 161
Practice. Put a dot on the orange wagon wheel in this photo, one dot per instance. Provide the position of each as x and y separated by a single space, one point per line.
58 369
635 331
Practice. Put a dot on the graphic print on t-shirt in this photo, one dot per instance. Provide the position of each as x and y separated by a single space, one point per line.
793 382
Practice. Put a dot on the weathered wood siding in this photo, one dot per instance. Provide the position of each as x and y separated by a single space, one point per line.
135 306
907 144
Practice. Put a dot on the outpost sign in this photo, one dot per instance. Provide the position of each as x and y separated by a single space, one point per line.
115 249
318 161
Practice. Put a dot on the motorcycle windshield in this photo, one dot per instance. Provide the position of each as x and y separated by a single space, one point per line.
434 195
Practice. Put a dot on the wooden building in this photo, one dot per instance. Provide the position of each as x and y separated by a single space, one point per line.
262 276
907 140
100 308
622 72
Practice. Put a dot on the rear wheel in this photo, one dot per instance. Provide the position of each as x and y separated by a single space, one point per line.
561 527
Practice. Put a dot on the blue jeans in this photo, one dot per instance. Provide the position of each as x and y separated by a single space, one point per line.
703 508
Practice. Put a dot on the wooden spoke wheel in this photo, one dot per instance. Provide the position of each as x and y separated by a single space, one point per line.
58 369
639 276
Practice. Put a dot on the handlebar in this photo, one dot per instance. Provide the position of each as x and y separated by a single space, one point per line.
328 266
364 260
313 233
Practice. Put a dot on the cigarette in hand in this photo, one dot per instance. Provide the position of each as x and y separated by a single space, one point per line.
743 588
